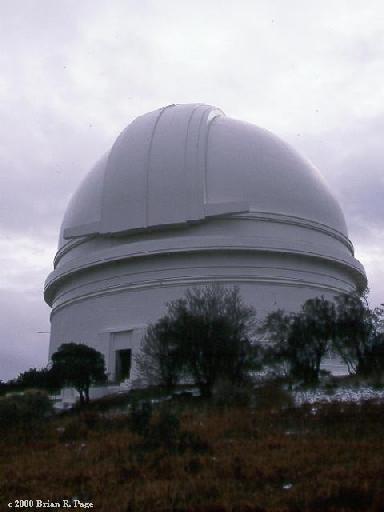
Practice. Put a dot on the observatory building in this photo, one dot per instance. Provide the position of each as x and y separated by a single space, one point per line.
185 197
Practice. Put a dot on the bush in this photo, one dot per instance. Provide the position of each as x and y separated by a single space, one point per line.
91 419
272 395
24 412
192 441
75 430
226 394
165 432
140 417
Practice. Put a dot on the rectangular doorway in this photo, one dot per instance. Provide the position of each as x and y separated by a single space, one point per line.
123 364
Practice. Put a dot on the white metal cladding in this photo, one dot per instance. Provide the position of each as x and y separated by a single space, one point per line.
154 175
186 197
186 162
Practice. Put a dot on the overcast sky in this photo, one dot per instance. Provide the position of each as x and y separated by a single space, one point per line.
74 73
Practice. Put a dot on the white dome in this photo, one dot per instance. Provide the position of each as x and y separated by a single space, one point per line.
183 163
187 197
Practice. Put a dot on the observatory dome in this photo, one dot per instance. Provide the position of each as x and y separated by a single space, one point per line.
182 163
188 196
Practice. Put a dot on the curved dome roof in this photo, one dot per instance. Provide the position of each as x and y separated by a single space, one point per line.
183 163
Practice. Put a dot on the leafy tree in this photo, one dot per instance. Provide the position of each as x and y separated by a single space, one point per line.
318 319
45 378
359 335
79 366
159 358
274 329
376 356
207 335
302 339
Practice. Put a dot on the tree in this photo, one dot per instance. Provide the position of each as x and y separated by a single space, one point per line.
45 378
159 358
359 335
318 320
376 356
206 334
79 366
274 330
302 339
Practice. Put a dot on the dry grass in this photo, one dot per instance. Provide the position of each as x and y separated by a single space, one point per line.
328 459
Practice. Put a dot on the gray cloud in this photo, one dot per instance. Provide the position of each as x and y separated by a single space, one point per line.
351 160
24 342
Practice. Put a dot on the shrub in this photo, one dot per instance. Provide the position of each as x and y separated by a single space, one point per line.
140 417
75 430
91 419
272 395
165 432
192 441
227 394
26 412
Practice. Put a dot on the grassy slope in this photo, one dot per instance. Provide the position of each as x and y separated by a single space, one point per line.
305 459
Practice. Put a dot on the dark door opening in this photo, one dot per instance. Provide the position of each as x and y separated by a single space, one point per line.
123 364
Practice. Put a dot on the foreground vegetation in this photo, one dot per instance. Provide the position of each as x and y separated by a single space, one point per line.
194 455
242 445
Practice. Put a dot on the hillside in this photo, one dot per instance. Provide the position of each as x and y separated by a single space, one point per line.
193 455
